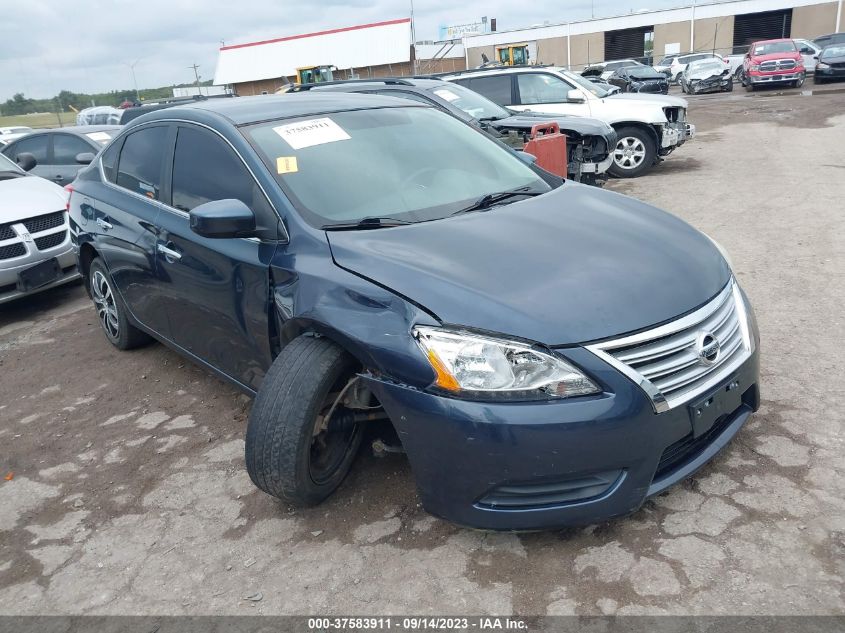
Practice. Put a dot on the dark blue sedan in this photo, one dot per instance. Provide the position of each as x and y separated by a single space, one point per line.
549 354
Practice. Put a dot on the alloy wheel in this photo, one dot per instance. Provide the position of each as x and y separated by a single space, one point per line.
630 153
103 297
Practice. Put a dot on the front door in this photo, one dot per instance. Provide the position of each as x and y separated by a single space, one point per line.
216 290
545 92
66 148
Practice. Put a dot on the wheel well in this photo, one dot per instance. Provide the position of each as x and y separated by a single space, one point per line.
87 254
649 129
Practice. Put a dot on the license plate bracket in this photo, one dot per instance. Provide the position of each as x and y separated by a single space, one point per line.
39 275
723 401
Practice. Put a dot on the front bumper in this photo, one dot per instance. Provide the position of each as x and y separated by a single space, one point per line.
774 79
597 168
702 87
569 462
830 73
676 134
10 269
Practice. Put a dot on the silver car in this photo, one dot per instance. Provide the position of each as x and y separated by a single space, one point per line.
35 249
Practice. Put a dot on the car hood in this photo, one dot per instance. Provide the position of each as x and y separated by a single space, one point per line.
756 59
706 74
660 100
27 196
571 266
584 126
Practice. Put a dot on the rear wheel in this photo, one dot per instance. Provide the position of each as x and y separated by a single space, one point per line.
301 440
635 153
111 311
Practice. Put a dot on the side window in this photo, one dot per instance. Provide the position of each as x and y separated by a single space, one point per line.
497 88
141 159
35 145
109 159
206 169
541 88
66 147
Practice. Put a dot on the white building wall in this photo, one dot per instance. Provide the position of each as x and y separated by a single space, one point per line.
350 47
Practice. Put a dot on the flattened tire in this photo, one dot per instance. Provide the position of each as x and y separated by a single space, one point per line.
635 153
111 311
280 433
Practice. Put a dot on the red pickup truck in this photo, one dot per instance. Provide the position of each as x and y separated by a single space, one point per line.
773 62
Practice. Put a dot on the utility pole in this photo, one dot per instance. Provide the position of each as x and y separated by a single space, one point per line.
196 74
413 42
692 30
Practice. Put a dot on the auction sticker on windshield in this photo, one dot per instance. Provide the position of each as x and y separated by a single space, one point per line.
309 133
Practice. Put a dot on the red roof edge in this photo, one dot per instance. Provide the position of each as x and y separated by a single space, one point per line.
329 32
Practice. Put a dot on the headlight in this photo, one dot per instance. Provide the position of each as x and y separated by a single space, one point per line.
472 365
822 66
722 250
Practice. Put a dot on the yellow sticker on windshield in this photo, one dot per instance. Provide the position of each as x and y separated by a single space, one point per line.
286 165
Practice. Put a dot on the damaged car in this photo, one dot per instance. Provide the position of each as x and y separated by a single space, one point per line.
707 75
548 353
589 142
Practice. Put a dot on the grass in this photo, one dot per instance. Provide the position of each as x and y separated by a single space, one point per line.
38 120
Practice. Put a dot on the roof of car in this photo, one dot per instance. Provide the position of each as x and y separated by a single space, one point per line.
773 41
382 82
80 129
246 110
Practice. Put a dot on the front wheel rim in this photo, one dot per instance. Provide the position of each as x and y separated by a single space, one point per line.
104 301
630 153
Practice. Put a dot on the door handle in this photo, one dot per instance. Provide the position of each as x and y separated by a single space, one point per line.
169 254
59 177
104 225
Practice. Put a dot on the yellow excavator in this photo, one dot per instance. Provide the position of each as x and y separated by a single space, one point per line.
311 75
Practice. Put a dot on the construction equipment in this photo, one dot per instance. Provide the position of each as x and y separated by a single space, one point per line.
513 55
315 74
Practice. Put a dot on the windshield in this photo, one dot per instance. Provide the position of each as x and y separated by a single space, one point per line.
774 47
666 61
586 84
8 165
833 51
646 72
411 164
474 104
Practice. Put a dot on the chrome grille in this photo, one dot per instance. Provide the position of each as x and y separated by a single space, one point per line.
678 361
777 64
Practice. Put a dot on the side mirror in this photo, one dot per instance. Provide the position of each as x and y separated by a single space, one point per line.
816 57
223 218
525 157
575 96
26 161
85 158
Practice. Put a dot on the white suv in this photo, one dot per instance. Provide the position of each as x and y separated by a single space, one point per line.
648 126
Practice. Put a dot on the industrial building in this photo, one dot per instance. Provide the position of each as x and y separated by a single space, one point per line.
722 27
382 49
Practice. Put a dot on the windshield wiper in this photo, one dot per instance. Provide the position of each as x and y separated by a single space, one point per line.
365 223
488 200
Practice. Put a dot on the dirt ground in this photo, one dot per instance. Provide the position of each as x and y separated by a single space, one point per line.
128 494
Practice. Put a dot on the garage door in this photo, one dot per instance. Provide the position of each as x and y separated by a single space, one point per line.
769 25
625 44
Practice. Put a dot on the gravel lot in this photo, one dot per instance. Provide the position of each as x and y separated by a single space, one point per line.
129 494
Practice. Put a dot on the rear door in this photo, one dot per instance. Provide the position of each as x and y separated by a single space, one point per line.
123 219
498 88
216 290
66 147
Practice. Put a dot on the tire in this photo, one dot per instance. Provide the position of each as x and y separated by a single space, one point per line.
111 311
633 165
738 74
280 438
798 82
819 81
730 86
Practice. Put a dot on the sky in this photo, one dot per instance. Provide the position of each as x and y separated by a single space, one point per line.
89 45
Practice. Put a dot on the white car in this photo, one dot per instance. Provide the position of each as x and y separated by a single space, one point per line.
648 126
9 134
809 51
675 65
35 248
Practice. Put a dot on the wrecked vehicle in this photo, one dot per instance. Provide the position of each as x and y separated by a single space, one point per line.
548 353
589 142
707 75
